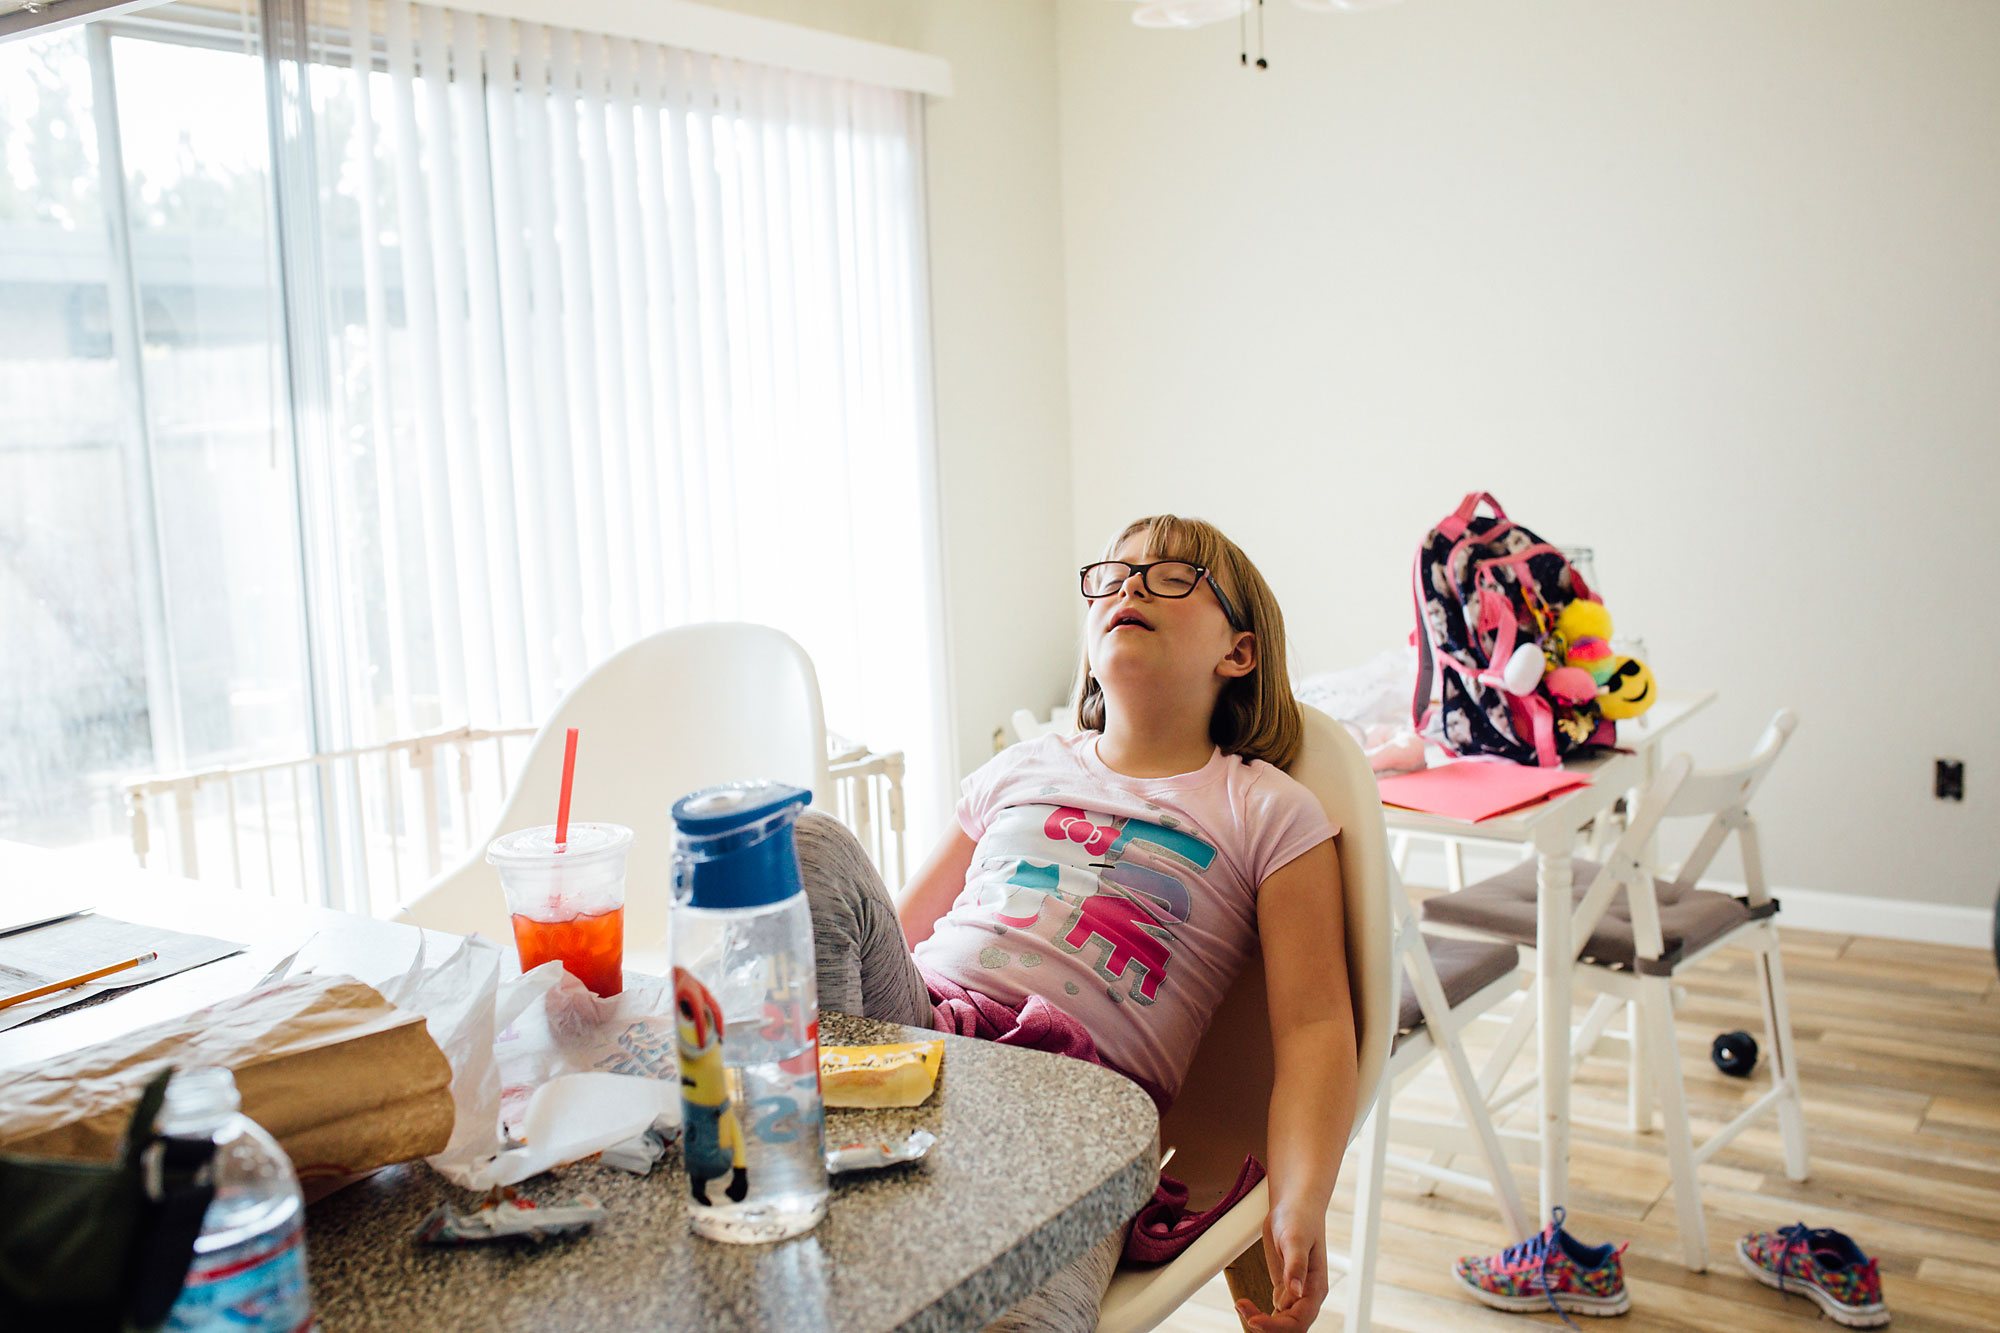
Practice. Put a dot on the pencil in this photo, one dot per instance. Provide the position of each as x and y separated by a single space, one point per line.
55 986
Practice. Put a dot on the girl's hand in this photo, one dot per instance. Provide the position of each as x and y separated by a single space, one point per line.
1295 1250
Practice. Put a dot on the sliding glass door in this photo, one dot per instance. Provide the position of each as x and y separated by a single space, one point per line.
149 570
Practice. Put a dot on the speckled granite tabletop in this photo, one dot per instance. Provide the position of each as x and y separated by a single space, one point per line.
1038 1157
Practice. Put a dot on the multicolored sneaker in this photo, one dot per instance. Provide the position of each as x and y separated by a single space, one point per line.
1550 1271
1822 1264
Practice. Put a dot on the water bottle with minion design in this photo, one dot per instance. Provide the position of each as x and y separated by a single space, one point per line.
746 1016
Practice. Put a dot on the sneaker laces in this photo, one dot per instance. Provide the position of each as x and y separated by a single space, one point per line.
1797 1238
1541 1248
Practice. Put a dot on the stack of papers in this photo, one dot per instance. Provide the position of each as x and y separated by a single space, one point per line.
36 955
1476 789
44 909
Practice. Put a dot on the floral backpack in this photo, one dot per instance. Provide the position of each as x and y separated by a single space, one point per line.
1488 592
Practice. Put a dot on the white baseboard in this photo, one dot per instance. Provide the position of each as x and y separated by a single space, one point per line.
1883 918
1807 909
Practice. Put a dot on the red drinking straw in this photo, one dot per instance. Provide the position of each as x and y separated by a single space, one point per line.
562 802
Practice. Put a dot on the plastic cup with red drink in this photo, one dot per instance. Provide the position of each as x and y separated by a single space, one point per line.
567 899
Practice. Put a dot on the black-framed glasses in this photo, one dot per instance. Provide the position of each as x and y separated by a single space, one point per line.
1161 578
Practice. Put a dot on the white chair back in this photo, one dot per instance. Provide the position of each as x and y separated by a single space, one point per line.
1221 1113
1219 1116
677 711
1679 791
1725 795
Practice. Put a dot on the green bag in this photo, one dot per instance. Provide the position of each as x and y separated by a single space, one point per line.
103 1248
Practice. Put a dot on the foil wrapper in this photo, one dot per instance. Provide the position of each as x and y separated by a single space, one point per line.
874 1156
505 1214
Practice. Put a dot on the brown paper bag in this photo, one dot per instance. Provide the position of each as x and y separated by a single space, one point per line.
341 1078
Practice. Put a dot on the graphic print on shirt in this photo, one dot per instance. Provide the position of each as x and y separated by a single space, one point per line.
1098 885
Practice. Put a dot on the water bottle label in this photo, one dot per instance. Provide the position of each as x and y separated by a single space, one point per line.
263 1291
711 1134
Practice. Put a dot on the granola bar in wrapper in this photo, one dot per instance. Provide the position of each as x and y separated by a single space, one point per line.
879 1076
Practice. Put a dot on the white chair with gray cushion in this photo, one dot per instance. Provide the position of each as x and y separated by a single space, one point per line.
1635 932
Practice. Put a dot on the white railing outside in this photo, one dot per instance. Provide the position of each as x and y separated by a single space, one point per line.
868 798
399 812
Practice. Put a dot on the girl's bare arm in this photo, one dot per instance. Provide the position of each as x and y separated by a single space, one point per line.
1301 925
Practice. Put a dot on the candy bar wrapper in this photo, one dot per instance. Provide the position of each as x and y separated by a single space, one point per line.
874 1156
879 1076
504 1213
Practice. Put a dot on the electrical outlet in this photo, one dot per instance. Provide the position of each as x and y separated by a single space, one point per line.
1951 779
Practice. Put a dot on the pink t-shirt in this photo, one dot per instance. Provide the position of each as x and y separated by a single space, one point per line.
1129 903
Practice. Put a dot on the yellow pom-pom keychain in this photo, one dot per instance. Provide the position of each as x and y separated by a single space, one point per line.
1583 619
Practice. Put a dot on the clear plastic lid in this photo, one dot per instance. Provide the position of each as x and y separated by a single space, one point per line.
537 846
718 820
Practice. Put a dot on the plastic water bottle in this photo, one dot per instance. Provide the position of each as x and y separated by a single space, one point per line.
249 1269
747 1012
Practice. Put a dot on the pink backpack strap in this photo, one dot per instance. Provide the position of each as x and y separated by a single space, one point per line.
1503 647
1454 523
1542 722
1420 713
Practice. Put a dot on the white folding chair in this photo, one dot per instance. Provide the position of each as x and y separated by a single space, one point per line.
1219 1117
1447 983
677 711
1635 932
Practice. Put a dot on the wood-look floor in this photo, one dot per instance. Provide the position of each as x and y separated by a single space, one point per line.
1899 1052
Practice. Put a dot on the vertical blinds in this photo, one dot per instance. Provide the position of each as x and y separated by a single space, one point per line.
619 337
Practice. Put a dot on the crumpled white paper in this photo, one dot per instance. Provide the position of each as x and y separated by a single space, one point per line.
571 1074
571 1031
571 1117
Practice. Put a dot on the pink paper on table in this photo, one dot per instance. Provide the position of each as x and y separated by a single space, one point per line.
1476 789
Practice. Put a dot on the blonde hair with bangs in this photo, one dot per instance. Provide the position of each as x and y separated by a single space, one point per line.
1255 715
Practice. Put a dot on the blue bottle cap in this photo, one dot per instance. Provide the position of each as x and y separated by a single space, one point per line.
734 845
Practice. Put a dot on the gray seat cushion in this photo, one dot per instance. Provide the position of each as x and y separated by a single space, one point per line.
1504 906
1464 967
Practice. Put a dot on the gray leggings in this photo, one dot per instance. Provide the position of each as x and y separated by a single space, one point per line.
865 968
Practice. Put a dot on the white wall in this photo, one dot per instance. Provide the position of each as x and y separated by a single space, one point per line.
1712 286
997 329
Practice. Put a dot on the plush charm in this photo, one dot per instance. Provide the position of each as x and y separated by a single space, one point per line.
1523 670
1584 619
1570 685
1629 690
1581 647
1592 655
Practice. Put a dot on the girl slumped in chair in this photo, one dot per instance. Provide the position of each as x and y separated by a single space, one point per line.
1119 876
